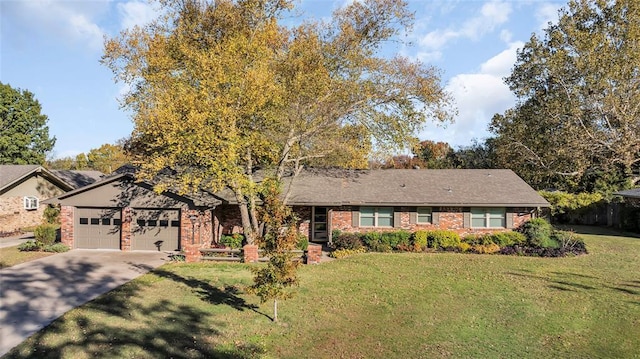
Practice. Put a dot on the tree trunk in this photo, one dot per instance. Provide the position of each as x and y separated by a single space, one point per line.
275 310
247 229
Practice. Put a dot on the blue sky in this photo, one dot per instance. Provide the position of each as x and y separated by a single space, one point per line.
52 48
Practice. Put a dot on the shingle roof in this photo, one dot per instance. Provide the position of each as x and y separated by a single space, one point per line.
12 174
78 179
630 193
449 187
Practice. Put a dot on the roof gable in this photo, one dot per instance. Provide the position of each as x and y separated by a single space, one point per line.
122 191
12 175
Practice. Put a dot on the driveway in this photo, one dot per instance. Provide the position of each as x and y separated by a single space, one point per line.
35 293
15 240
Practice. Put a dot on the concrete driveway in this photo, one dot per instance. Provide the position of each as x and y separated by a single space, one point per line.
35 293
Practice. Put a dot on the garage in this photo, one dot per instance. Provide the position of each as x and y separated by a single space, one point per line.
97 228
155 229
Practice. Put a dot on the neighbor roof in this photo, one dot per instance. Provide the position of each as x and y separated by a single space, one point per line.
630 193
78 179
425 187
13 174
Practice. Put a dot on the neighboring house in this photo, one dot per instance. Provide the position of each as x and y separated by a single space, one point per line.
120 213
23 187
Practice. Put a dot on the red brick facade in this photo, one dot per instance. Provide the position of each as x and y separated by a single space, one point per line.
341 218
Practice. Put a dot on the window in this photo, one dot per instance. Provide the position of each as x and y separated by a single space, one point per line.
488 218
106 221
95 221
84 220
31 203
376 216
424 215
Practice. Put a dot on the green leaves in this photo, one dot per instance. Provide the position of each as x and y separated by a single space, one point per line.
577 92
24 134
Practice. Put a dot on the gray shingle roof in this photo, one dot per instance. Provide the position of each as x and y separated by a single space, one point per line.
78 179
11 173
630 193
450 187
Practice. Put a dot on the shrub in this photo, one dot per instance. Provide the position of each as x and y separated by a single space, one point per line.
538 233
373 241
303 242
51 214
485 248
395 239
46 233
569 242
442 239
342 253
56 248
463 247
30 246
232 241
419 240
507 238
343 240
478 239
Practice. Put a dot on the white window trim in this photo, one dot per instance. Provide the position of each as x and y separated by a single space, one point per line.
31 203
418 215
375 218
487 217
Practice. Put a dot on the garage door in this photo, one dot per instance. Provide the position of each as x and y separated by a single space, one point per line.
155 230
97 228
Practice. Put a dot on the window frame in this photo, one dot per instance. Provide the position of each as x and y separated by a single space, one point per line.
430 214
31 203
487 215
376 217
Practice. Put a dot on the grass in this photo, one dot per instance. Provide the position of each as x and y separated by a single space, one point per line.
10 256
438 305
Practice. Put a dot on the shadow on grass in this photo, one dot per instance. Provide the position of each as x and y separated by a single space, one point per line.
597 230
566 284
114 326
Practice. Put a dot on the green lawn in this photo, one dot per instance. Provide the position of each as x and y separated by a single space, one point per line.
10 256
437 305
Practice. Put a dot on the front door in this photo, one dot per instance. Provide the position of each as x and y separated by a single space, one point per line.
320 225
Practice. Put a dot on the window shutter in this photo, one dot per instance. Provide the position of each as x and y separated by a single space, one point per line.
413 216
509 219
397 222
466 219
355 217
435 218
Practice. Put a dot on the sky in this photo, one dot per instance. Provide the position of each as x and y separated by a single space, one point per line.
53 47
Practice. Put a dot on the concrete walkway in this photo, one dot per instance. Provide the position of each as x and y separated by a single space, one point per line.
35 293
15 240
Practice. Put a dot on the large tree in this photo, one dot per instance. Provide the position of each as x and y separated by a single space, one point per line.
24 134
576 124
220 88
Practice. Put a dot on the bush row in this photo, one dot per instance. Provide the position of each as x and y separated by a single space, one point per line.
36 246
534 238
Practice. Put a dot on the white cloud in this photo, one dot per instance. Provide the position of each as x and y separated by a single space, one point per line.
547 12
478 96
492 14
506 35
136 13
70 20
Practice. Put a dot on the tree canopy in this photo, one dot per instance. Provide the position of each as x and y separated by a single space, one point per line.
106 159
576 125
220 88
24 134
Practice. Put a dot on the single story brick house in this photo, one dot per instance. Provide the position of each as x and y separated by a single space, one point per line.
23 187
120 213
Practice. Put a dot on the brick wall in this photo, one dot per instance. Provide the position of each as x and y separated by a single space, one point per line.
450 218
66 225
13 216
125 229
195 235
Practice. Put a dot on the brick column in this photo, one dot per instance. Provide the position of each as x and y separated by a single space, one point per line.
125 229
66 225
195 235
314 253
250 252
